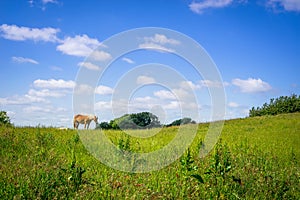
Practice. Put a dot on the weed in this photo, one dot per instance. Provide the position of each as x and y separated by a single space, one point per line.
256 158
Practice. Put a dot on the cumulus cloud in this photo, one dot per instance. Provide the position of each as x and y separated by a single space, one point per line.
233 105
54 84
45 93
103 90
143 80
159 42
164 94
199 6
83 46
161 39
88 89
172 105
43 90
103 105
80 45
24 60
288 5
189 85
13 32
89 65
251 85
100 55
44 109
21 100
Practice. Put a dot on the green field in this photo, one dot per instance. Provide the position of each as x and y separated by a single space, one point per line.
255 158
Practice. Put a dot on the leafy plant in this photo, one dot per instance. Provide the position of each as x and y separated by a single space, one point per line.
4 118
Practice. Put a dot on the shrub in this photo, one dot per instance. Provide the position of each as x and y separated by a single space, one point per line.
4 119
283 104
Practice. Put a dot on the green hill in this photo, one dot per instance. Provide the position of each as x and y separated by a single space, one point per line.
255 158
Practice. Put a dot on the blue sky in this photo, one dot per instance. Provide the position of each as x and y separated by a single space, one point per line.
44 43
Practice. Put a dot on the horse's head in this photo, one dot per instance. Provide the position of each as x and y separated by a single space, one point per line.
96 119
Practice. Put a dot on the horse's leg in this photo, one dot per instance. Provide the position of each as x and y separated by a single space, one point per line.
88 125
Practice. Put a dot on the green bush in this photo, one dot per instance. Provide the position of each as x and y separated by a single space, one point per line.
283 104
4 119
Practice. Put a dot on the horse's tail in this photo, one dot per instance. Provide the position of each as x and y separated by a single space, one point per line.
75 122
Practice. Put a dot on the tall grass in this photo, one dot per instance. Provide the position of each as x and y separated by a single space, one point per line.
255 158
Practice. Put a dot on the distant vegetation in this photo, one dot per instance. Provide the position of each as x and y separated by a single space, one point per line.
182 121
4 118
142 120
283 104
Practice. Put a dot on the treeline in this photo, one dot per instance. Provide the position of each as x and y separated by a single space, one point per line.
142 120
280 105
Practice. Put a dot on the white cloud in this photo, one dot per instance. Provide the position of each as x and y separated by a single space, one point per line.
251 85
161 39
199 7
164 94
46 93
213 84
172 105
13 32
143 80
189 85
102 105
49 88
89 65
78 45
100 55
157 42
24 60
153 46
21 100
48 1
103 90
233 105
31 109
288 5
83 89
87 89
128 60
54 84
44 109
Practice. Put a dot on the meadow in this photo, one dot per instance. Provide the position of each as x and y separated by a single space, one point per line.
255 158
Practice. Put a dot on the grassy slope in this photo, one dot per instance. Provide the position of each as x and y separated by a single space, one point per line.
256 158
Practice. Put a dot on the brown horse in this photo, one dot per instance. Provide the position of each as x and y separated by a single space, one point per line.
84 119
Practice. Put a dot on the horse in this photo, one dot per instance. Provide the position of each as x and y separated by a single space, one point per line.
84 119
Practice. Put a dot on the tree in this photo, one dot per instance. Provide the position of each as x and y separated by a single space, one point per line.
185 120
282 104
132 121
4 119
145 120
103 125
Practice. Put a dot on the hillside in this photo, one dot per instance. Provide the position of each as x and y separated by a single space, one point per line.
256 157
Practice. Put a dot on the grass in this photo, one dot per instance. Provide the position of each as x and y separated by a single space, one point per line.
255 158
